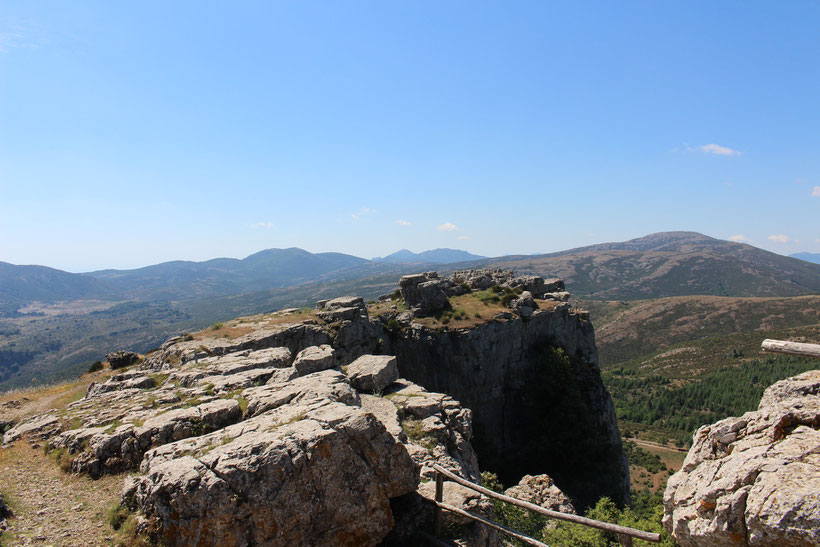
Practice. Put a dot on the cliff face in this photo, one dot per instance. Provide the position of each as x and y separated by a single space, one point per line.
538 402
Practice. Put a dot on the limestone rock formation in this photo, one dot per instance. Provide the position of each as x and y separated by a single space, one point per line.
535 390
36 428
244 447
314 359
121 358
288 428
755 479
372 373
423 293
315 473
541 490
524 305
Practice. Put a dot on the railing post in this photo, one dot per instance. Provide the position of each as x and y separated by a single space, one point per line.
625 540
439 498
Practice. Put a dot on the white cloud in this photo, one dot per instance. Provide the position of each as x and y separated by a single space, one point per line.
740 238
447 227
780 238
815 192
360 213
718 150
267 225
403 222
464 237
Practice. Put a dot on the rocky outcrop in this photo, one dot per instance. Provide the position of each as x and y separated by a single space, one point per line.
35 429
291 459
541 490
314 359
753 480
534 386
323 426
317 473
524 305
423 293
372 373
121 359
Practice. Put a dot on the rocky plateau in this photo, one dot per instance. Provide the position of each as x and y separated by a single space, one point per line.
321 426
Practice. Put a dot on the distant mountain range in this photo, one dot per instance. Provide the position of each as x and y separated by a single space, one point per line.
808 257
671 264
436 256
662 264
271 268
54 323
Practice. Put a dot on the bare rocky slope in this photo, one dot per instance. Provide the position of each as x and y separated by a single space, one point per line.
289 427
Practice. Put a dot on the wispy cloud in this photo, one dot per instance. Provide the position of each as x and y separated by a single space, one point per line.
740 238
464 237
266 225
18 33
717 150
360 213
815 192
780 238
447 227
403 222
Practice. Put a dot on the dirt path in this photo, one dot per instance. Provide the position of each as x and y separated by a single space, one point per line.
650 444
52 507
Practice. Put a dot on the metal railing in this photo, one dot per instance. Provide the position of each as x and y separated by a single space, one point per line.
624 533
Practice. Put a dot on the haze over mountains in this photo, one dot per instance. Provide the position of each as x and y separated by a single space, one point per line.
808 257
53 323
436 256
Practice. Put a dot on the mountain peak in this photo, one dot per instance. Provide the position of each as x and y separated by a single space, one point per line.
434 256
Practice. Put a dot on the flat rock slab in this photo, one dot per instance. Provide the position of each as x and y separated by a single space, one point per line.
372 373
40 427
314 359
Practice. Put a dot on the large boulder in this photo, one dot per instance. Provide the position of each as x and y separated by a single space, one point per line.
372 373
753 480
423 293
324 476
524 305
314 359
121 358
541 490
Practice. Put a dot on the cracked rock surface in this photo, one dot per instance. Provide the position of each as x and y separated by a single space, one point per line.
753 480
252 448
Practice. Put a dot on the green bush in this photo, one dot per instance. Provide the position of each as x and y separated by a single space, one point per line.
95 366
644 513
117 515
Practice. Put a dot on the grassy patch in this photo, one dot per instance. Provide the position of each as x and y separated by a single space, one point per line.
243 404
415 432
159 379
116 515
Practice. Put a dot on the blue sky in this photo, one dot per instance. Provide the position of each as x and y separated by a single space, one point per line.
133 133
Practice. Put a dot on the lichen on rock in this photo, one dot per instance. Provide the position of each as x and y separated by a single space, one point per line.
753 479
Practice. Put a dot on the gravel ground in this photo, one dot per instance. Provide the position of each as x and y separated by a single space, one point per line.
52 507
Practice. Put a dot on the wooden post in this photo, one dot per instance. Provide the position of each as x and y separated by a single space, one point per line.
439 498
791 348
625 540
